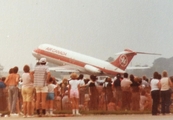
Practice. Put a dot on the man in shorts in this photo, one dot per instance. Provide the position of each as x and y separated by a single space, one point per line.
41 76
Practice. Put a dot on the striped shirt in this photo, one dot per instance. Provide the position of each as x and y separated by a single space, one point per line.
40 75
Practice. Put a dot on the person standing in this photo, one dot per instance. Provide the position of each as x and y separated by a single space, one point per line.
12 81
145 85
66 105
107 89
144 101
50 96
74 93
135 88
93 92
155 92
118 91
82 90
27 91
41 76
126 92
165 84
3 102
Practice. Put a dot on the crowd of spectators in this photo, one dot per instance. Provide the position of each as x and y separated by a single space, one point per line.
37 92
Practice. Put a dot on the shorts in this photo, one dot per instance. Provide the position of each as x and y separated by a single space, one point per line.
50 96
74 94
27 94
43 89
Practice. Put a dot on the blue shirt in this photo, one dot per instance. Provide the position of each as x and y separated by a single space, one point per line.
2 85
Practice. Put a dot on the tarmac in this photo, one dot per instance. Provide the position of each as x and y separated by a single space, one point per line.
98 117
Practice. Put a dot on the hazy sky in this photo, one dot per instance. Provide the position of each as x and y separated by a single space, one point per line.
99 28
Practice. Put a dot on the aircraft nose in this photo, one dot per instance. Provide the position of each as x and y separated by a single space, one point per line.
34 53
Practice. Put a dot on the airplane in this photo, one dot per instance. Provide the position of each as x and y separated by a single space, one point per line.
69 61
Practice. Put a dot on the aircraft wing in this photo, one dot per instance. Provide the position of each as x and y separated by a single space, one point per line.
65 69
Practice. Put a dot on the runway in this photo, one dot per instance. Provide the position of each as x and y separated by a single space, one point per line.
99 117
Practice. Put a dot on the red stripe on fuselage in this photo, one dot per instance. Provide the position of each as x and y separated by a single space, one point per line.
71 61
60 57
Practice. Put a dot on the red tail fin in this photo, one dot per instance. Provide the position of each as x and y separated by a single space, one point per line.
124 59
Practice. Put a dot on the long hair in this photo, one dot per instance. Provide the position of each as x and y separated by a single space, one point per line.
155 75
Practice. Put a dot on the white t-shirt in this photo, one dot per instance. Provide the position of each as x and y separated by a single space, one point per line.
51 88
74 84
154 84
81 82
26 80
126 82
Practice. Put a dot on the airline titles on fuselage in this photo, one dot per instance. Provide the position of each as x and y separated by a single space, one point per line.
59 52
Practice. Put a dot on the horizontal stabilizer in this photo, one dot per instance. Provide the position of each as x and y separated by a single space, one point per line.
148 53
127 51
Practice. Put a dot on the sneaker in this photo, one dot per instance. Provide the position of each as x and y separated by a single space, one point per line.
24 116
6 116
78 114
29 116
51 114
47 114
14 115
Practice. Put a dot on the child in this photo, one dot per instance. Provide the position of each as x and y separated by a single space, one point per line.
143 101
50 97
111 105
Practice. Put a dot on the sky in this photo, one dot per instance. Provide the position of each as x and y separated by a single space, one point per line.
98 28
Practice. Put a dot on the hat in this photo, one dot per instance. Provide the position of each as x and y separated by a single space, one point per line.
42 60
93 77
73 76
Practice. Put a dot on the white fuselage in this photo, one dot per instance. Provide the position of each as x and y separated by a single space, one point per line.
80 62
